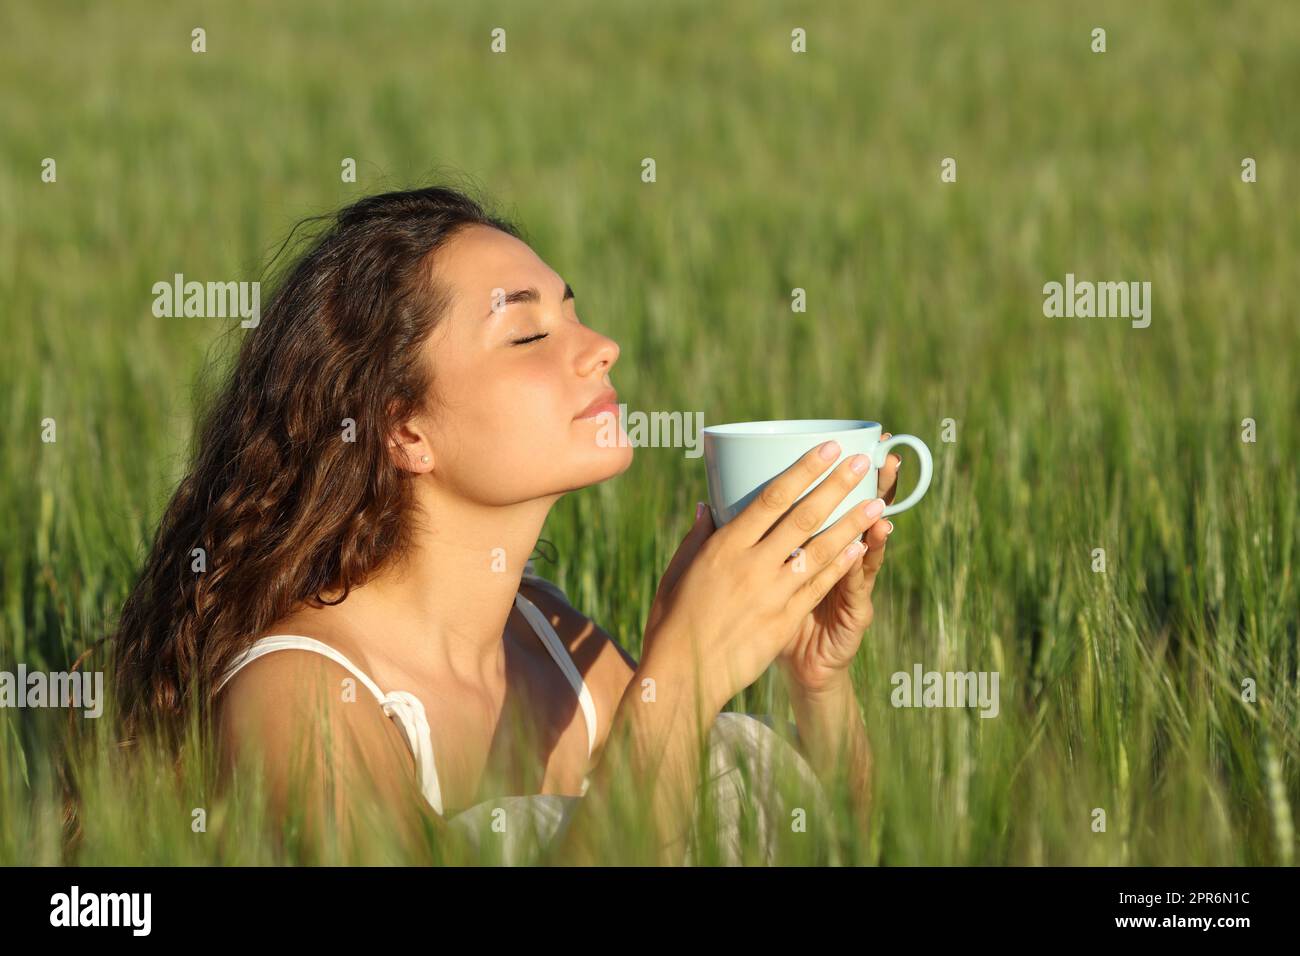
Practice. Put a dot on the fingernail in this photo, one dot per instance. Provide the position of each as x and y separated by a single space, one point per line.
859 464
890 529
874 507
854 549
830 450
699 510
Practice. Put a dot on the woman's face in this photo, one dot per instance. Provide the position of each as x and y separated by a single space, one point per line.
513 371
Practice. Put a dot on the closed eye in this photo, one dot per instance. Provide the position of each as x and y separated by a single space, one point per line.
531 338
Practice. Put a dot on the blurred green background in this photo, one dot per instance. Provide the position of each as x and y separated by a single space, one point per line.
1120 690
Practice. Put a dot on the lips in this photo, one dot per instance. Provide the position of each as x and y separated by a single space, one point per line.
606 401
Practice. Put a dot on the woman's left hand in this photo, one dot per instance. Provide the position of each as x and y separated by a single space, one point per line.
829 637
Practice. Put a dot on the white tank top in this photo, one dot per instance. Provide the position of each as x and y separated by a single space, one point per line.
407 710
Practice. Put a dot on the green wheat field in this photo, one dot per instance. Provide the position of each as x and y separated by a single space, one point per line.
1162 690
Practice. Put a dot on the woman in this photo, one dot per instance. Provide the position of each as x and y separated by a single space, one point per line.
365 496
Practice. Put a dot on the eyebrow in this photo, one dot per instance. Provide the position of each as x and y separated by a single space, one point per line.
530 295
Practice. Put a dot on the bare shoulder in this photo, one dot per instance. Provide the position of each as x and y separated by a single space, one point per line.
308 719
605 665
272 689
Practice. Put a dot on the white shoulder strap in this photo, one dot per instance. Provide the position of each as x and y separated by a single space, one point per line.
287 642
405 707
561 657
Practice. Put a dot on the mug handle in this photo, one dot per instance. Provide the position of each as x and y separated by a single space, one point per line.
927 469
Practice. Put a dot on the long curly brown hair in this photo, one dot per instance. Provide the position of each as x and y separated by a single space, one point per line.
284 505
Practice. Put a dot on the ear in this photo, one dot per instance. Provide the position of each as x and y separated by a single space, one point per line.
409 447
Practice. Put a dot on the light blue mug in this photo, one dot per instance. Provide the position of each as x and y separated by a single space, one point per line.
741 458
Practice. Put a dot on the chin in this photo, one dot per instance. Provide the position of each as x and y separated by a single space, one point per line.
602 447
600 464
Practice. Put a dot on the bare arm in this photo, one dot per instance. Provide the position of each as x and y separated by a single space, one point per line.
648 774
727 606
833 738
647 757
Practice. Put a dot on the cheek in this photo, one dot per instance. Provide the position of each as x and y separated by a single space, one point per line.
509 438
497 427
531 407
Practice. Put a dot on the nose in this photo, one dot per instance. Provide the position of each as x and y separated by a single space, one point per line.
598 355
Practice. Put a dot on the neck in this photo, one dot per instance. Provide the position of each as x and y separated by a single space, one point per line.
445 602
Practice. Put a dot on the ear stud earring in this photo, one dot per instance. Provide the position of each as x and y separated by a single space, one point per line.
424 459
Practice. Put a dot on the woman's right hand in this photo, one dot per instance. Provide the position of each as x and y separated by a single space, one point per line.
730 600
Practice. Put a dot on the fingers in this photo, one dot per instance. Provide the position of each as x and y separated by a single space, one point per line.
811 594
876 539
824 548
807 516
833 555
887 481
757 517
